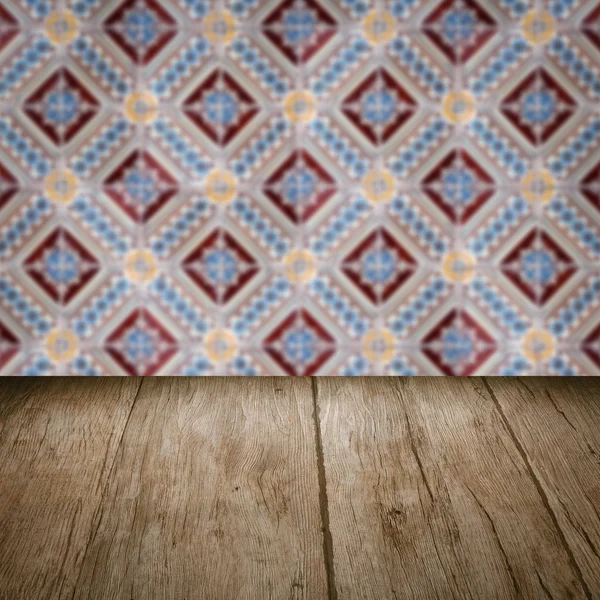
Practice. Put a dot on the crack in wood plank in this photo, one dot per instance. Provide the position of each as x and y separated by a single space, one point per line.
323 502
98 514
540 490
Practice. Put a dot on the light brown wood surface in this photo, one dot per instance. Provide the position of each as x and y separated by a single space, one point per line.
215 495
429 498
556 423
289 488
57 448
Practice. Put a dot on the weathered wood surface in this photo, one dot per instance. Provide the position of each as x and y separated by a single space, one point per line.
556 422
57 445
215 495
227 488
429 497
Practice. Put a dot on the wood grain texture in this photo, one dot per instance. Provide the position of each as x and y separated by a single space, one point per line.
57 445
556 422
430 498
214 496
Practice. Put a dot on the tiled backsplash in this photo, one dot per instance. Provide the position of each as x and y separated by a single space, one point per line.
300 187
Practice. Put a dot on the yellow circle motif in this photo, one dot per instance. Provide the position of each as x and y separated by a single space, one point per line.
459 107
61 346
300 107
538 346
221 186
379 346
220 27
61 186
379 27
141 107
300 265
459 266
538 27
61 27
221 346
140 266
538 187
379 186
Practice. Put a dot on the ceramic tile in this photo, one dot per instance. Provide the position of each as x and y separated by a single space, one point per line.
299 187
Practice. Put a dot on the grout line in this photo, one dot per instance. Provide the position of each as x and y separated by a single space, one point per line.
323 502
104 491
540 490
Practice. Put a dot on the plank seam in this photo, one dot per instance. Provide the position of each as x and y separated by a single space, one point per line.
540 490
323 501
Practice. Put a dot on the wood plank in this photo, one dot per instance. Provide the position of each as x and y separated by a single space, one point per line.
14 392
214 495
429 497
557 424
57 445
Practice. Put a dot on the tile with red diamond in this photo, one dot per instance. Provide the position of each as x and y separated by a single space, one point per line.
300 345
590 186
9 27
379 106
61 106
591 346
300 187
140 186
220 107
140 344
344 164
61 266
459 186
299 29
379 266
141 28
590 26
220 266
538 107
9 344
538 266
458 345
459 28
9 186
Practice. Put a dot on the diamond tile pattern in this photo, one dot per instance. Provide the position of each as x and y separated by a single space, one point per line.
299 187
